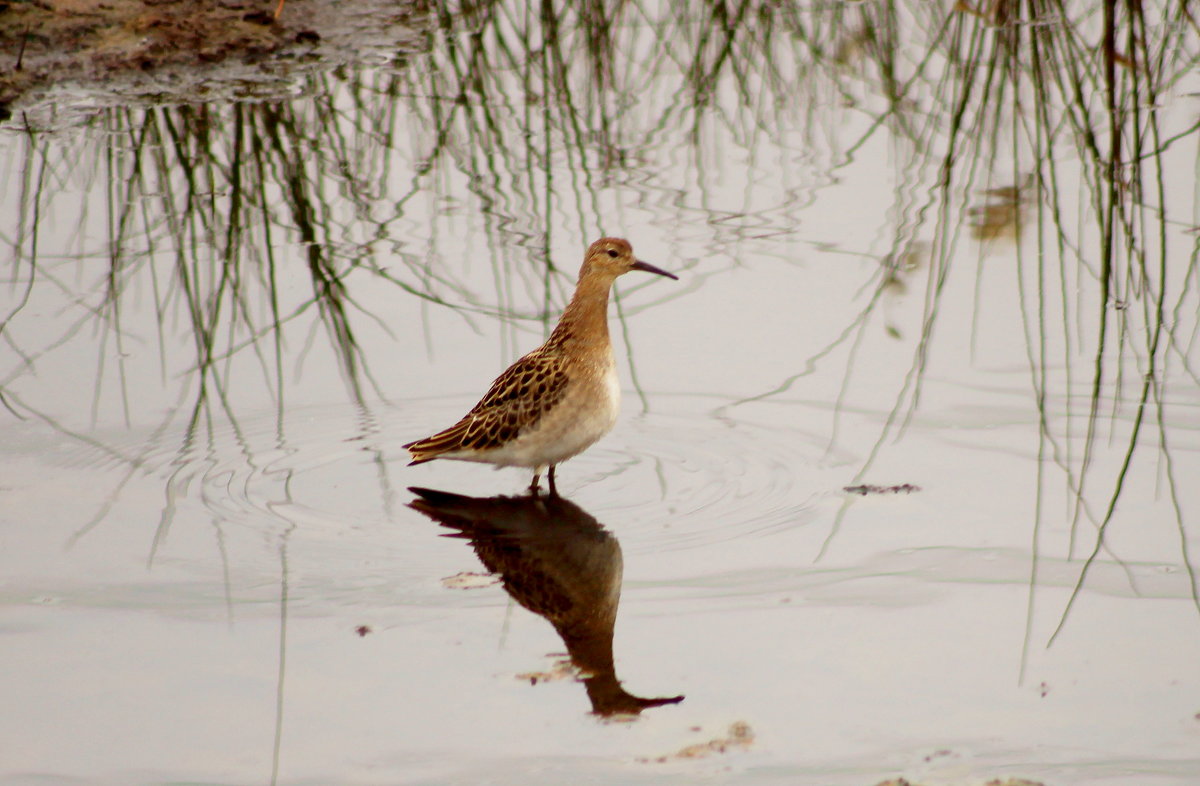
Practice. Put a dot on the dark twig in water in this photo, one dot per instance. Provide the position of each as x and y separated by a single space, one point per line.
864 489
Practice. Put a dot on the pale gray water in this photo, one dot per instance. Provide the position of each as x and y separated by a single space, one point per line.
213 576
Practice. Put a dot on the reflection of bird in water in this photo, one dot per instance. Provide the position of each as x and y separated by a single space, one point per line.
556 401
557 561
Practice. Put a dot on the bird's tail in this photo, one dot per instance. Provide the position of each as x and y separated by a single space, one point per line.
419 452
433 447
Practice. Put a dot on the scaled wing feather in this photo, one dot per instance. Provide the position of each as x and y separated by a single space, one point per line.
516 401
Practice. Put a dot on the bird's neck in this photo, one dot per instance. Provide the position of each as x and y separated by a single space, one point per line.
584 322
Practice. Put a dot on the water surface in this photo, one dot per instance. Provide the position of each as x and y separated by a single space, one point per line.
915 261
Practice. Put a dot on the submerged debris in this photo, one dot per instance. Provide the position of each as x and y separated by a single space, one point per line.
1000 215
468 580
563 669
864 489
739 737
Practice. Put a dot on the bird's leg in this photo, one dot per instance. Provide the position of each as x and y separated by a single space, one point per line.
550 476
533 487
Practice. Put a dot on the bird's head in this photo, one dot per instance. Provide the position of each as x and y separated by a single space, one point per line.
613 256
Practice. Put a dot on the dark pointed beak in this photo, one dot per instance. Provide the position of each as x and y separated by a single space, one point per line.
646 266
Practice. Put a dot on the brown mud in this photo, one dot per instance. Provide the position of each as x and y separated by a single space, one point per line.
90 43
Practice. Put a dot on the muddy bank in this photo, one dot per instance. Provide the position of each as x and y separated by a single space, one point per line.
44 43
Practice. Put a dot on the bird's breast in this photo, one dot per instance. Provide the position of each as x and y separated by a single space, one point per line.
587 411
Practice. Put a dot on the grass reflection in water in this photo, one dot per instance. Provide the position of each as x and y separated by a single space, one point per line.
246 242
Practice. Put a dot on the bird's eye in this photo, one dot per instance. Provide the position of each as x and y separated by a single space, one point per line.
612 253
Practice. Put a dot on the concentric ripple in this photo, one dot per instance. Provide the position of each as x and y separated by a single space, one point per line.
691 480
681 480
